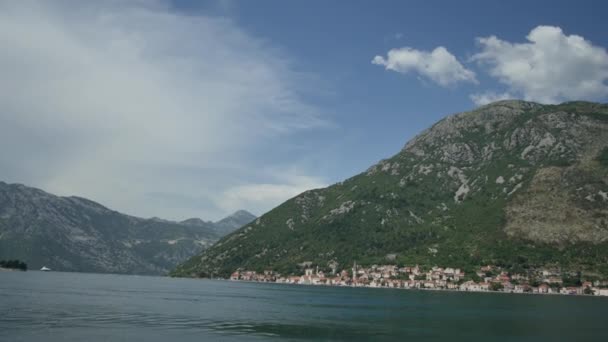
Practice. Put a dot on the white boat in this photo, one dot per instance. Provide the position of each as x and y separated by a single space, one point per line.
45 269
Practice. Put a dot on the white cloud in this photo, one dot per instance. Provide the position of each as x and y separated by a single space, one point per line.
253 196
551 67
116 100
481 99
439 65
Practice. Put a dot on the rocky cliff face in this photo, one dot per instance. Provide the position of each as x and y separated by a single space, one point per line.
553 182
76 234
513 183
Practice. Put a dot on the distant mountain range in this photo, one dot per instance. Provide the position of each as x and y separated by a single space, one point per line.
77 234
515 184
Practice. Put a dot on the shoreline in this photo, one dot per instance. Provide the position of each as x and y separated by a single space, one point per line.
2 269
410 289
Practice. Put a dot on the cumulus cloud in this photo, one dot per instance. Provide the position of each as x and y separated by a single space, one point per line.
551 67
119 100
481 99
439 65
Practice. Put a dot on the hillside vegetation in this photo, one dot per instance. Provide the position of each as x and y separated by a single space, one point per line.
513 183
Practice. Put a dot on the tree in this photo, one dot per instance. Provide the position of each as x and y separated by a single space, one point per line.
13 264
573 280
496 286
474 277
603 156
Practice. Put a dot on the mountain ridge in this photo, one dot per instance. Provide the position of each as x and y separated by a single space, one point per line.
469 190
73 233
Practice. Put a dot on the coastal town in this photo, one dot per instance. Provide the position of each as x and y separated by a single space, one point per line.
485 279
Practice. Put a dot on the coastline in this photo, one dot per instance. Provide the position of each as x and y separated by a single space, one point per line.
409 289
488 278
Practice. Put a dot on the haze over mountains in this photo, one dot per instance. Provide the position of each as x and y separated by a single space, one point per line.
513 183
77 234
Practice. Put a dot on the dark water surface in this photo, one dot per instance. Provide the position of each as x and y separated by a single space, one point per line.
53 306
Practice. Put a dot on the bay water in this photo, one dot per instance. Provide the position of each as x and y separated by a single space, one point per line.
55 306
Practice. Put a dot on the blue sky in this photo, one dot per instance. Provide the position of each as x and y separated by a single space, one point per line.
189 108
378 111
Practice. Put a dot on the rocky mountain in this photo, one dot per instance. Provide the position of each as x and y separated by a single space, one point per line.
513 183
231 223
76 234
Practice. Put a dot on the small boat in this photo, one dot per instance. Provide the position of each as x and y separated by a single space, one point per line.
45 269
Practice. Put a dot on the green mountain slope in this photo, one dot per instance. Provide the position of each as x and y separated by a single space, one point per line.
513 183
76 234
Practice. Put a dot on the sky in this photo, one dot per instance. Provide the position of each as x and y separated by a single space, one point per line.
185 108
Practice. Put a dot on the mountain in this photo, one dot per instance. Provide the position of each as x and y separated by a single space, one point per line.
231 223
197 222
513 183
224 226
76 234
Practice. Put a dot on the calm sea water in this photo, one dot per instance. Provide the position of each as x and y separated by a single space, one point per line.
37 306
